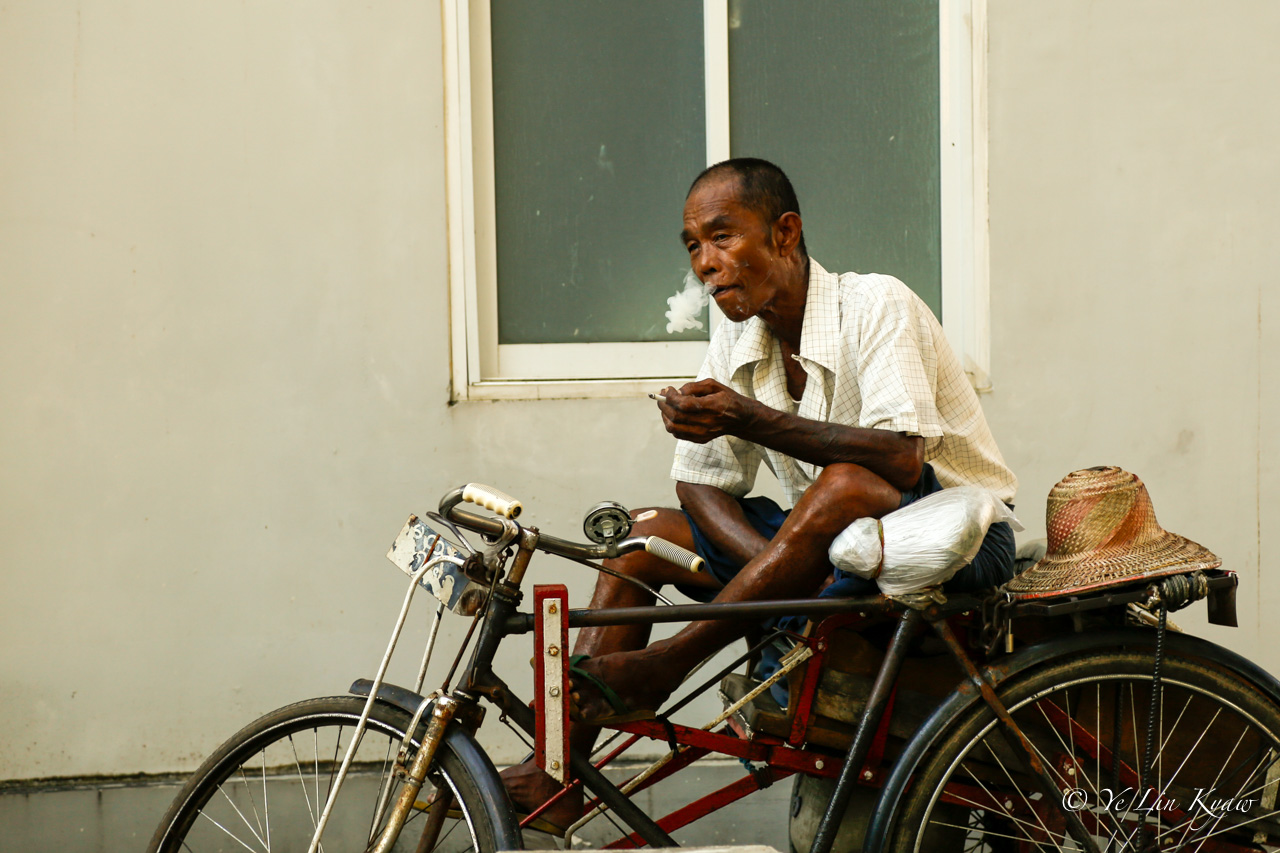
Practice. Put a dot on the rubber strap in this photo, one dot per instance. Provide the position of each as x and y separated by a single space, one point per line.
880 565
616 702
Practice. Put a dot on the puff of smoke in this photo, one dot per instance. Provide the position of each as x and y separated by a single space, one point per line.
686 305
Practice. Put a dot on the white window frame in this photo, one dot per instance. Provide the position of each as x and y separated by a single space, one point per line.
483 370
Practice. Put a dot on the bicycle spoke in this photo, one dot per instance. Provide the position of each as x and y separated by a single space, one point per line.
302 783
247 825
1018 788
266 810
1168 737
989 834
384 790
1003 814
231 834
1190 823
1071 755
248 790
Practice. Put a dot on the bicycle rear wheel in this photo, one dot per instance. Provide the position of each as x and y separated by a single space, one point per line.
265 788
1215 763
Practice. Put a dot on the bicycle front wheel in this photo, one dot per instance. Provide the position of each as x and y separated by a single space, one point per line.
265 788
1213 757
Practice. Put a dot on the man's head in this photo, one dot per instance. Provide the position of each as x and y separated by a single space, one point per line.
745 239
762 187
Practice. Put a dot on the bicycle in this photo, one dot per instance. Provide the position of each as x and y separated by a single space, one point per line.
1067 726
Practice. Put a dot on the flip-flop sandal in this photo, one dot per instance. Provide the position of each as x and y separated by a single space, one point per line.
622 712
538 824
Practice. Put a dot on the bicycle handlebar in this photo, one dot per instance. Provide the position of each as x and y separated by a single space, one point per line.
503 504
491 499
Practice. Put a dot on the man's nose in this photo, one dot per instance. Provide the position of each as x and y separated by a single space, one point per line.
707 263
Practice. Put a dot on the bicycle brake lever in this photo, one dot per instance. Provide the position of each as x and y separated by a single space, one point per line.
453 528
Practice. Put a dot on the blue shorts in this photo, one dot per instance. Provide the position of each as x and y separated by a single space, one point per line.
992 566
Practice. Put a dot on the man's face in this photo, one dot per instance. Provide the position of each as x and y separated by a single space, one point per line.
731 249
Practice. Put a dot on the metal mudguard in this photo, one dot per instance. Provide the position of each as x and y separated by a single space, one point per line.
466 748
1005 669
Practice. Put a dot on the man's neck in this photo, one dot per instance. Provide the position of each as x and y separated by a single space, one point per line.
785 315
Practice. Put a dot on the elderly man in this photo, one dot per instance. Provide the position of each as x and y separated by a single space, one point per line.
843 385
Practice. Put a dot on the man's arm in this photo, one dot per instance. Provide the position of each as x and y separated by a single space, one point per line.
721 519
706 409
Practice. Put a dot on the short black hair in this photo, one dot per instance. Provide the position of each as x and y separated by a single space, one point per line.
762 187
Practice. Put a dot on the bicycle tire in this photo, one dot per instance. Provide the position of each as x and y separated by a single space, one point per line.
1214 732
265 787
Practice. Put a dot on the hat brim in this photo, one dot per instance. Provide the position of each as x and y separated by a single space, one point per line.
1169 554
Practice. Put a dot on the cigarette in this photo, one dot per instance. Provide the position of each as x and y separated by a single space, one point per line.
657 397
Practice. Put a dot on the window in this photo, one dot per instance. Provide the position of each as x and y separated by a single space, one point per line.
574 127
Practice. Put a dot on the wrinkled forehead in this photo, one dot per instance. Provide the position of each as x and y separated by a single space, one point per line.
717 199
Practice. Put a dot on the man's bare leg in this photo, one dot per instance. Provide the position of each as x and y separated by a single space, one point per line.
526 783
793 565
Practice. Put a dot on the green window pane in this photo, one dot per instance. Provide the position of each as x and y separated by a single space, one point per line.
844 97
598 130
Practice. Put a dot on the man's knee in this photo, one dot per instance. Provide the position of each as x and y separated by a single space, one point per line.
669 524
854 490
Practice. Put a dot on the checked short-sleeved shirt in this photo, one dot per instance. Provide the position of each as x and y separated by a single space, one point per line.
876 358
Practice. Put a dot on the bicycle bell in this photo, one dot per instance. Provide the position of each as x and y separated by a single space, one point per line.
606 522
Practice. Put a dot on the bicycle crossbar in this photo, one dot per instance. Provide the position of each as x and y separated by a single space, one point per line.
522 623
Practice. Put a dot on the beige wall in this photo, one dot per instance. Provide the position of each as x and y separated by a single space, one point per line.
224 361
224 354
1133 186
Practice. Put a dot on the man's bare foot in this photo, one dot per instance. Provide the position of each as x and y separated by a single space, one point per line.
529 787
642 679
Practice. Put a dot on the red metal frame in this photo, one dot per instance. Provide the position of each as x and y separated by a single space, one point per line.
785 757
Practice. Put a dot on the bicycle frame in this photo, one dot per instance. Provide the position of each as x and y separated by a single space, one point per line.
781 757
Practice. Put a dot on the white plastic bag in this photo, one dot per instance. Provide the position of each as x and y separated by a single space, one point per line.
925 542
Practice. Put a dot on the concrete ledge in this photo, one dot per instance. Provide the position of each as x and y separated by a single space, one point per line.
106 815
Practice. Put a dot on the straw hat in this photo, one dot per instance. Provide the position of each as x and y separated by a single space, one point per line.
1103 532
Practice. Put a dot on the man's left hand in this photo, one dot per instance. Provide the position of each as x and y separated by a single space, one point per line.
706 409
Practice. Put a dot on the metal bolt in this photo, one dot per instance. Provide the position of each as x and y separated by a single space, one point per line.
868 775
551 608
553 650
554 692
1071 771
1008 805
555 765
818 765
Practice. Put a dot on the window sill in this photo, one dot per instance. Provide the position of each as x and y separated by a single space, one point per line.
570 389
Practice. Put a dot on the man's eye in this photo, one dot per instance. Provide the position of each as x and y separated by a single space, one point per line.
720 238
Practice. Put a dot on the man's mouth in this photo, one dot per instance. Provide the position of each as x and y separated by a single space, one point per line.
717 289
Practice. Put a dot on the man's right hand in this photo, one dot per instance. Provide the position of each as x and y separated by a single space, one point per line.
706 409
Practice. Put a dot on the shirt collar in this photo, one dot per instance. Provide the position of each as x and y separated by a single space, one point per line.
821 311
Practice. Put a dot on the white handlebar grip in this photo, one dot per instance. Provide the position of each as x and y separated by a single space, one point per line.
491 499
673 553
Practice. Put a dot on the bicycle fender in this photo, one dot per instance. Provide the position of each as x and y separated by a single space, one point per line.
967 695
467 749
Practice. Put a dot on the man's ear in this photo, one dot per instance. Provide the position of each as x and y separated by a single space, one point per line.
786 232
